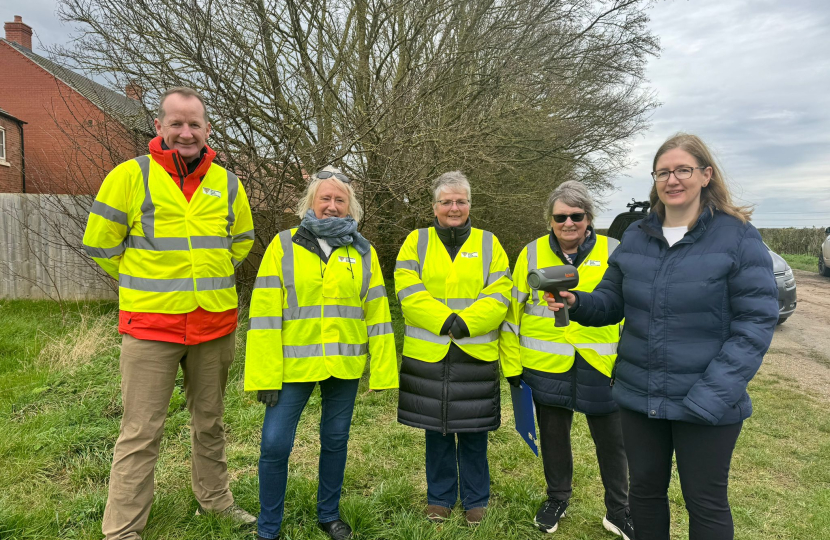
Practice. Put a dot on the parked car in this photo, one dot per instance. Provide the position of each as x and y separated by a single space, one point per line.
824 255
784 277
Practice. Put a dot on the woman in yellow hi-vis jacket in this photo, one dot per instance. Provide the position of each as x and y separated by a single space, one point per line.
453 283
568 368
319 307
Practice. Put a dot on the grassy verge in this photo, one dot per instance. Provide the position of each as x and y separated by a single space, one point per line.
60 408
802 262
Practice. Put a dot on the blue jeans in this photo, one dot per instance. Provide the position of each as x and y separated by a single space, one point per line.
278 432
447 461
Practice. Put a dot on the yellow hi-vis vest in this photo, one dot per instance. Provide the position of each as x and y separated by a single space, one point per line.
528 335
431 286
168 255
311 320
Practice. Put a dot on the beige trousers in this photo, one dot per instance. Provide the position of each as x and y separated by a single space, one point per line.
148 376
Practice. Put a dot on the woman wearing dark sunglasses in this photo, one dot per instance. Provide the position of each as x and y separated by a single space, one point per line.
694 282
568 369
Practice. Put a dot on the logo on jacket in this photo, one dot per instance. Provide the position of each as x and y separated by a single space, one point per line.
212 192
592 263
470 254
347 259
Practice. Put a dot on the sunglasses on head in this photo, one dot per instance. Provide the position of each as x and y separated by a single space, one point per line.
322 175
562 218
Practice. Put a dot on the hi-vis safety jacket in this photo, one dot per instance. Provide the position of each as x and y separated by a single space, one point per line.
431 286
168 255
311 320
528 335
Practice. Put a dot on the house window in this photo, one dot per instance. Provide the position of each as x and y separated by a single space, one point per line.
2 144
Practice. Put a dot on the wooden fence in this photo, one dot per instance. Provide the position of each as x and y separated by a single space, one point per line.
41 254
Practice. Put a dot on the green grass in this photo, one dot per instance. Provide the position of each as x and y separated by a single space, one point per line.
59 422
802 262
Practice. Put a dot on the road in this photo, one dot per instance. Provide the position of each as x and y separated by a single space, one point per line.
801 347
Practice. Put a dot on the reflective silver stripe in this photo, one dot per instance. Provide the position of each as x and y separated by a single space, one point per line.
209 242
539 311
613 244
510 327
235 262
158 244
105 253
108 212
412 289
302 351
531 265
565 349
343 312
496 296
423 242
346 349
233 188
425 335
215 283
367 273
379 329
288 267
489 337
241 237
148 209
458 303
486 255
378 291
267 282
265 323
521 297
305 312
155 285
408 265
600 348
495 276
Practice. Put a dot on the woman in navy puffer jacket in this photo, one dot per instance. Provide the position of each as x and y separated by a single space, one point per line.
694 282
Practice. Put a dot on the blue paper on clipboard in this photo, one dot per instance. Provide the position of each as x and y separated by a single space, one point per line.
524 413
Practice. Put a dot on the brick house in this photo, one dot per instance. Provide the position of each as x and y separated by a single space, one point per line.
12 172
77 130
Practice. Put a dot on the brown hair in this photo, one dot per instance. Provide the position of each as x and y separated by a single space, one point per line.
715 195
182 91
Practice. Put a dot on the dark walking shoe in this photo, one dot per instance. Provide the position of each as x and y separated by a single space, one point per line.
622 526
234 512
337 529
438 514
548 516
475 515
258 537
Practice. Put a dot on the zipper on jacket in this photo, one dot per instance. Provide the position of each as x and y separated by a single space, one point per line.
613 373
445 392
179 170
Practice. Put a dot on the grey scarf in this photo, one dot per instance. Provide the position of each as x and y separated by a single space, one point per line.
336 232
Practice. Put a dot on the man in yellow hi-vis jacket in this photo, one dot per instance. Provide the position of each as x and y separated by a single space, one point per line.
453 283
171 227
319 310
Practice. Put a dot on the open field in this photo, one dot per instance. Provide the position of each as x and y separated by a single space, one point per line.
60 409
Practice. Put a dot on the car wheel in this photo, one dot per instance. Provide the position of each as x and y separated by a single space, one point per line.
782 320
822 268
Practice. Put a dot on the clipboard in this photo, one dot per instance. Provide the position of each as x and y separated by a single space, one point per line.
524 414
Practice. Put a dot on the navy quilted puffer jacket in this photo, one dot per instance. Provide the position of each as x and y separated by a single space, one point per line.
699 317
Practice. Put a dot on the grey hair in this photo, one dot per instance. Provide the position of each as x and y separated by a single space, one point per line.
182 91
451 181
307 200
573 193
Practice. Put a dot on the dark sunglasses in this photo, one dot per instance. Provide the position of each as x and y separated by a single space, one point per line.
562 218
322 175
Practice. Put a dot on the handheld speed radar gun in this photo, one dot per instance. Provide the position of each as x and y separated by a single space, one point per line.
553 280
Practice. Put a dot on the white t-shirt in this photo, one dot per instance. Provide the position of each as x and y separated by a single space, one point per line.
324 246
673 234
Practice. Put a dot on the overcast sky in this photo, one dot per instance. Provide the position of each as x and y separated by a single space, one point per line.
751 77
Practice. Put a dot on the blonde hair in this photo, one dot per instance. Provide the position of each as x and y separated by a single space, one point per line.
715 195
307 200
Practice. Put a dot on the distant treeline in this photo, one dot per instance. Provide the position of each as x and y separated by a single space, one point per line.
794 241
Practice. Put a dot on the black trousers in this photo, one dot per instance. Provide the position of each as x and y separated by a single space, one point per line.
703 452
557 458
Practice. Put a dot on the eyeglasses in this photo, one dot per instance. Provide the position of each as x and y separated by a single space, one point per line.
461 203
681 173
322 175
562 218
